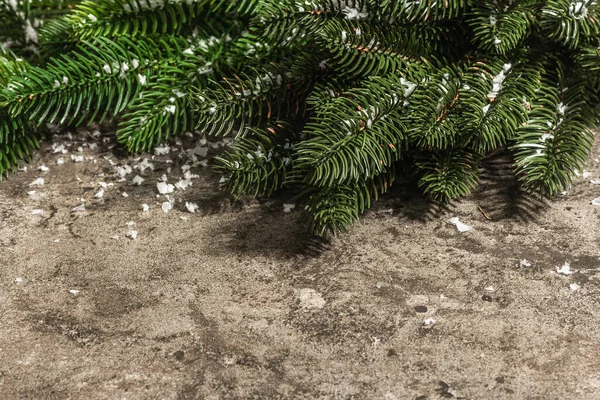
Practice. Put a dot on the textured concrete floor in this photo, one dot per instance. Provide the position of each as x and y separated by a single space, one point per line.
236 302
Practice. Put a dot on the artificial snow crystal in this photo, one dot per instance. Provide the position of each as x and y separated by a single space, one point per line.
100 194
428 323
124 194
524 264
74 292
459 225
288 207
37 182
60 161
353 13
31 193
144 165
596 201
595 181
37 212
137 180
123 171
167 206
77 159
79 208
165 188
191 207
183 184
18 280
132 235
565 269
43 168
162 150
574 286
145 207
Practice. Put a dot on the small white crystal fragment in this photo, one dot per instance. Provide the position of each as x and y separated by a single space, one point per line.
428 323
37 182
191 207
162 150
565 269
79 208
459 225
137 180
164 187
524 264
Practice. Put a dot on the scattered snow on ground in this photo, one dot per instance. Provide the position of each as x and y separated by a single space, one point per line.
191 207
459 225
37 182
525 264
565 269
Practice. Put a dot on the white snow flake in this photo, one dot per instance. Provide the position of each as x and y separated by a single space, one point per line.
459 225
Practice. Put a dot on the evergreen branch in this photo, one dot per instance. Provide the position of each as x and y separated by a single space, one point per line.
425 10
502 26
334 208
357 135
359 50
162 107
17 141
258 162
555 142
102 75
433 121
495 100
245 101
569 22
447 175
114 18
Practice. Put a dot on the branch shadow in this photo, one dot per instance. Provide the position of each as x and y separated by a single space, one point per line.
501 195
269 232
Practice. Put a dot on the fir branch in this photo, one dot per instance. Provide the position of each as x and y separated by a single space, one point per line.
570 22
434 123
357 135
258 162
555 141
249 101
100 76
495 100
447 175
332 209
504 25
